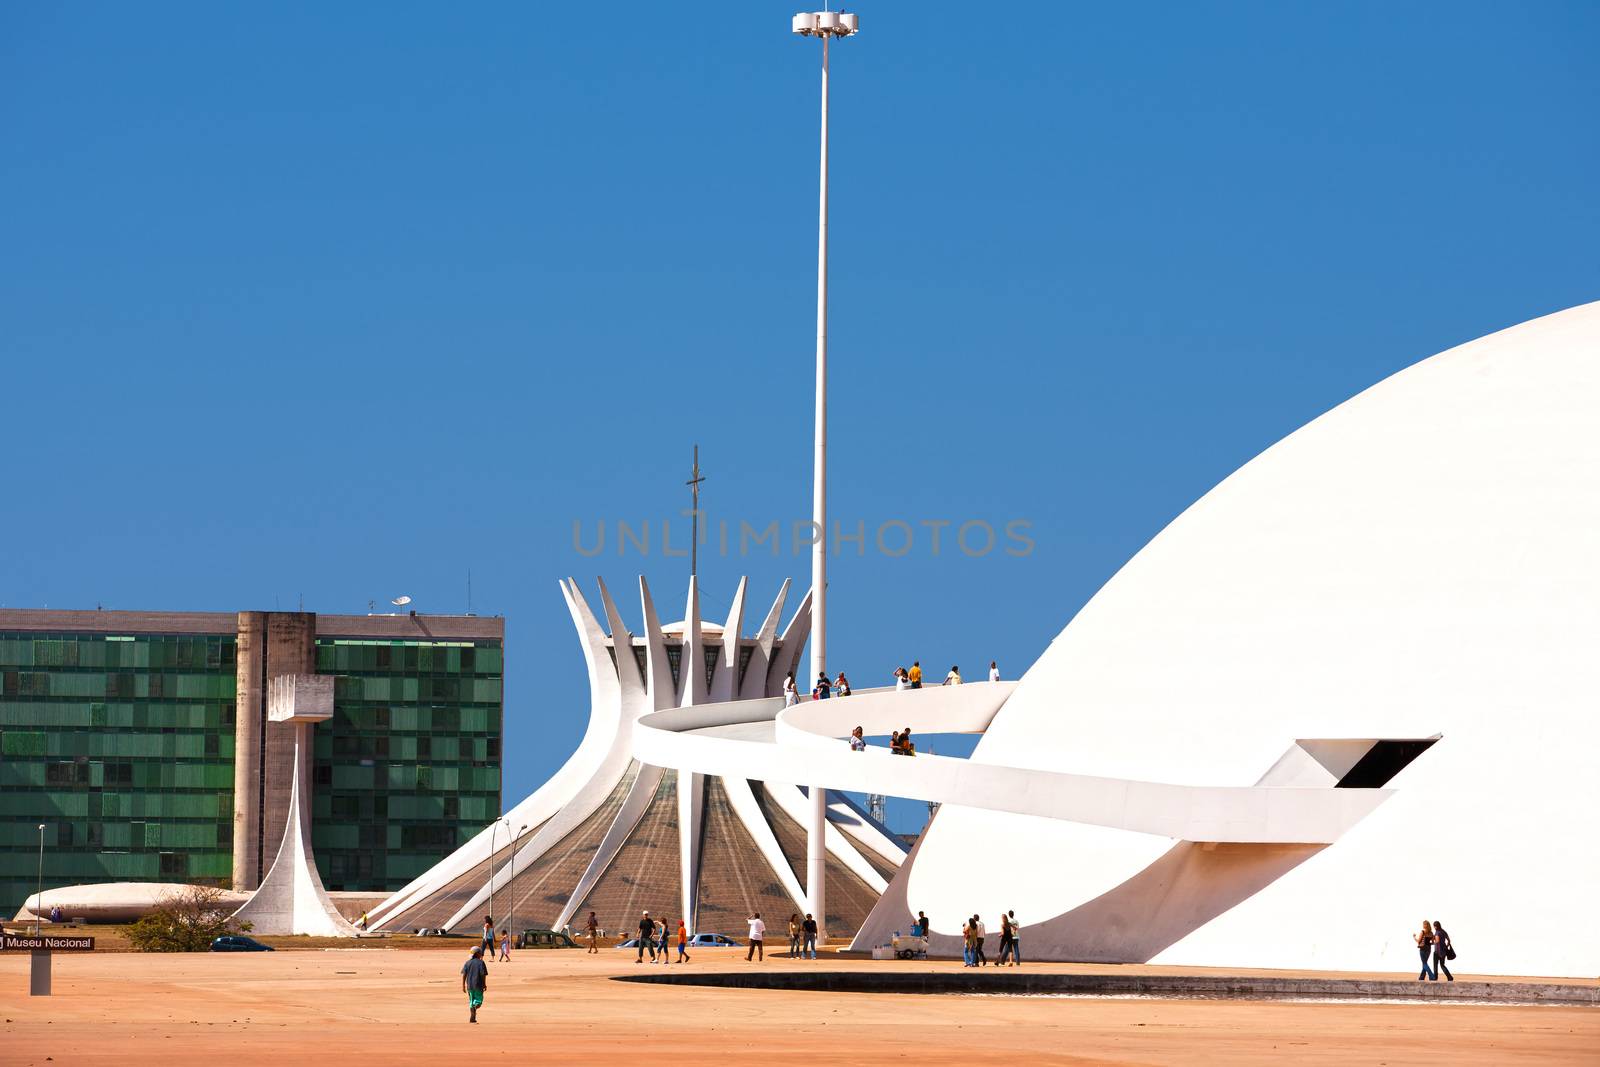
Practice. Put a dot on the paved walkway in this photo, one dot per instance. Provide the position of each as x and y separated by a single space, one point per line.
364 1006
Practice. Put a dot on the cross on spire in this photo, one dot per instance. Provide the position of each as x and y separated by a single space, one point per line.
695 478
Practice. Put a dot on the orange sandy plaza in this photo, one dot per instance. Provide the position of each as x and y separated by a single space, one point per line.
380 1006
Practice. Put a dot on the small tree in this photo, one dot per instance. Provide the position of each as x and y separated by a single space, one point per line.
186 921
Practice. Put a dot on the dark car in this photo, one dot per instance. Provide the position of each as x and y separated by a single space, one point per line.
239 943
546 939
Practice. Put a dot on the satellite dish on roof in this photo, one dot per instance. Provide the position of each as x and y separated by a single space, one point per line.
400 601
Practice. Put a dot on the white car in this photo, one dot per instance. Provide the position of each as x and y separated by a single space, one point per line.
697 941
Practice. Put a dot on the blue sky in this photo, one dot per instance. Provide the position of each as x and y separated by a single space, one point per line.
343 301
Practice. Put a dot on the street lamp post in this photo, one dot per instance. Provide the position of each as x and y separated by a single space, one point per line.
38 889
511 920
493 827
826 25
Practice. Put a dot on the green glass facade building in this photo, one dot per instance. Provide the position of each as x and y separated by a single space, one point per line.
139 741
409 766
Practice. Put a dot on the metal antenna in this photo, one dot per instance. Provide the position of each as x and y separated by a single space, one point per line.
695 478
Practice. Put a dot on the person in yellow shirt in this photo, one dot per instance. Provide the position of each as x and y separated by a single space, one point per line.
915 674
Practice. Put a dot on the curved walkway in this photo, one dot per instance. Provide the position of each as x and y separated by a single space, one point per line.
760 739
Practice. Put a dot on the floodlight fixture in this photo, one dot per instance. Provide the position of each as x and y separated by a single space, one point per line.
826 24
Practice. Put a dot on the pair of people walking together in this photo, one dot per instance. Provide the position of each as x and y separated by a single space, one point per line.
1434 940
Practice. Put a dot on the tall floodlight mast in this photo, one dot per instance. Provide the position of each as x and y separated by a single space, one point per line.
826 25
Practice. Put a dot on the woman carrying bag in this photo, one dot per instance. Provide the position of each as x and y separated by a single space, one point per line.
1442 950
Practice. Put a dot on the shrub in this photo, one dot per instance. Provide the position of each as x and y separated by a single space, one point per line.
186 921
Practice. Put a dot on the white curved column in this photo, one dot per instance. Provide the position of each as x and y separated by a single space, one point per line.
692 663
756 682
725 679
691 813
796 803
633 808
743 802
621 705
658 669
786 656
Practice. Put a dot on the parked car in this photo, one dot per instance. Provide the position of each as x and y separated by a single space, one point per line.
713 941
546 939
239 943
697 941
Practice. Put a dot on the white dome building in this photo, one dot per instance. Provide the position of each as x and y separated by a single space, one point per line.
1422 560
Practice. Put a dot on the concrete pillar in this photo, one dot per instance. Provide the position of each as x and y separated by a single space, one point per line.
817 860
249 723
269 644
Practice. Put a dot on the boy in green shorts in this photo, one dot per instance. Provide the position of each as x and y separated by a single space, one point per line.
474 980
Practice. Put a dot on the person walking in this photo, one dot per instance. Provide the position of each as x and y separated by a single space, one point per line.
954 677
665 940
914 675
994 672
488 937
794 935
474 982
758 930
1005 941
1424 942
593 927
969 937
647 927
810 929
902 681
683 942
978 929
1016 939
1442 950
505 946
791 695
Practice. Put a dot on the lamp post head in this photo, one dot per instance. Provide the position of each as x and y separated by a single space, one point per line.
826 24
